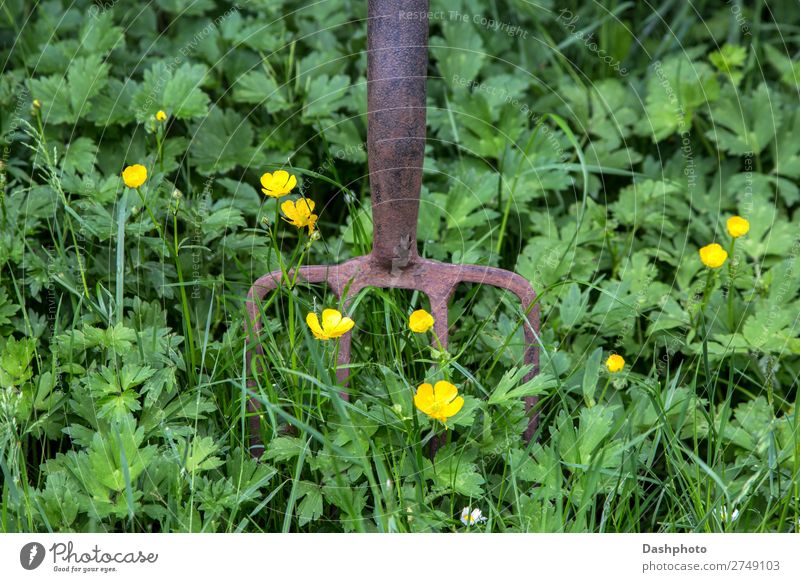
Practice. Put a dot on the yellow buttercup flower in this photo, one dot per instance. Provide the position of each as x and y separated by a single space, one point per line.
420 321
713 256
278 184
161 116
738 226
440 402
615 363
134 176
300 213
333 324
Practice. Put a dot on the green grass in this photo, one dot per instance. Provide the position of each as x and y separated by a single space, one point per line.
122 367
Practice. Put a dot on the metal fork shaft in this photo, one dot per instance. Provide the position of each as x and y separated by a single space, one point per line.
397 63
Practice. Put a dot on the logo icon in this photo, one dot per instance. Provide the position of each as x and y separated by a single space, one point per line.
31 555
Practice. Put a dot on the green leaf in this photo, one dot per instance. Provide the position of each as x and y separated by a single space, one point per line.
728 60
7 309
771 328
511 387
467 204
590 375
176 91
455 470
60 500
250 32
788 69
117 406
118 338
112 389
751 427
65 100
221 220
114 105
284 448
466 416
80 156
742 124
460 54
98 34
15 361
106 458
770 233
573 306
595 426
86 77
162 381
642 203
351 500
676 88
132 375
545 260
201 455
52 92
249 474
258 87
182 96
221 142
325 96
310 508
186 7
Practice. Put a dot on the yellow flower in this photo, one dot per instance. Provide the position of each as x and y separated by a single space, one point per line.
37 104
333 324
440 402
738 226
420 321
713 256
134 176
278 184
161 116
615 363
300 213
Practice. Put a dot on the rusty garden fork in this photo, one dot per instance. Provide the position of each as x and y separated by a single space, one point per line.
397 59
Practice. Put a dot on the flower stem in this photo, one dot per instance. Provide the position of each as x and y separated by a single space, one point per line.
731 278
173 252
184 299
160 147
706 295
603 393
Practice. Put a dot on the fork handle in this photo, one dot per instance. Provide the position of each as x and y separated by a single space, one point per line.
397 61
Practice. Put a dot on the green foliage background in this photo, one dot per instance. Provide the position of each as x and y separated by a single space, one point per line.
592 149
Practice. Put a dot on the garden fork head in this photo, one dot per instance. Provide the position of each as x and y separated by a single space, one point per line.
397 58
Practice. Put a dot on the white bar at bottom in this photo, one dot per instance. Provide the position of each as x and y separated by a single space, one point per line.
351 557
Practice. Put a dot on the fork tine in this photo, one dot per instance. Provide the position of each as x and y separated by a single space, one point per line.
253 325
522 288
442 332
254 408
345 297
439 312
342 361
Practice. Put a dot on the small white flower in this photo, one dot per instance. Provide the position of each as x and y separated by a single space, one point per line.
471 516
723 514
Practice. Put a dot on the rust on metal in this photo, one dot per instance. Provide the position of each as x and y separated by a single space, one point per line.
397 58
